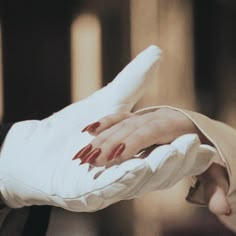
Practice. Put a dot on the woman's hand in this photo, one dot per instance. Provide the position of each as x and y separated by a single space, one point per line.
121 136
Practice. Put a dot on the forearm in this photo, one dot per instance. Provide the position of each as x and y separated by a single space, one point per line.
223 138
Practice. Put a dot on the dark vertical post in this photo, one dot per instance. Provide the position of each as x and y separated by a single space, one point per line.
215 57
36 58
36 69
115 39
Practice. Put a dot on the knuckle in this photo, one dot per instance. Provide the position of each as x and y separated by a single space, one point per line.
158 128
155 124
135 142
141 134
114 118
101 138
132 122
106 120
128 114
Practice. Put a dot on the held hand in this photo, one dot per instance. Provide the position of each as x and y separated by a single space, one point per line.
121 136
139 131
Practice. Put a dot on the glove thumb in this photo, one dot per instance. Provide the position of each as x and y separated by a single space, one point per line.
129 85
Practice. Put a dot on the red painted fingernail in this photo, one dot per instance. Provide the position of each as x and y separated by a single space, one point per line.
91 157
98 174
84 151
90 168
116 151
92 127
228 212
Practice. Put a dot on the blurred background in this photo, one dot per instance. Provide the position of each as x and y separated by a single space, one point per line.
53 53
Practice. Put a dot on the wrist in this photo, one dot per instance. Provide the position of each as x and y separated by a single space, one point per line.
202 137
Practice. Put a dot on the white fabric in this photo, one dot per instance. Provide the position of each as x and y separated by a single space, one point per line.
35 160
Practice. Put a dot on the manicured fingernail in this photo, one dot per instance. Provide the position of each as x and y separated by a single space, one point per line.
90 168
84 151
98 174
228 212
92 127
116 151
91 157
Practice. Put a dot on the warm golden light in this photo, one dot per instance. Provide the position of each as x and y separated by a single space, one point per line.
168 24
86 55
144 24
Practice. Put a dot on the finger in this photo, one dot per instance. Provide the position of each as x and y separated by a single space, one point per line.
215 182
106 122
147 133
126 139
117 161
111 142
108 140
109 137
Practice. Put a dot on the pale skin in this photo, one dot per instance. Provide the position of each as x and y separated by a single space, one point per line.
120 136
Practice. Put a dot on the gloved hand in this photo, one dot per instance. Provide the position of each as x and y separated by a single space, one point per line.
35 160
161 169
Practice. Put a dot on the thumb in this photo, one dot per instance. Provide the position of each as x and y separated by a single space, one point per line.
128 86
120 95
216 186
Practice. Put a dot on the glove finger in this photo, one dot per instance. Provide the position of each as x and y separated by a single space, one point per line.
133 175
203 159
137 181
188 146
171 160
197 158
128 85
165 162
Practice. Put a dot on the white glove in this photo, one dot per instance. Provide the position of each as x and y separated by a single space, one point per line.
161 169
35 160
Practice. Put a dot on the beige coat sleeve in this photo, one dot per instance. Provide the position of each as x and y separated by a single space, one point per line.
224 139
